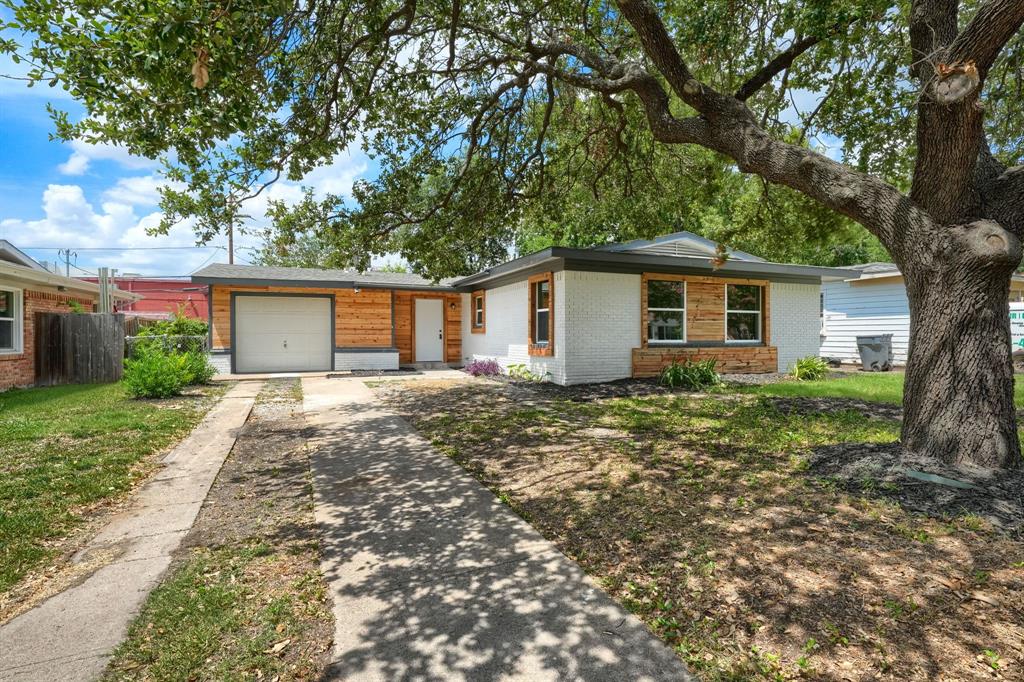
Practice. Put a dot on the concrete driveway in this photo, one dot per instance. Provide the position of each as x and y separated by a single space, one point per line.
432 578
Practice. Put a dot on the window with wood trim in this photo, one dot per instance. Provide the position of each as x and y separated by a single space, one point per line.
666 311
478 309
743 313
10 320
542 318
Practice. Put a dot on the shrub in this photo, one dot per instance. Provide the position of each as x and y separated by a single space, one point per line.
692 375
198 369
177 325
483 368
810 368
523 373
153 374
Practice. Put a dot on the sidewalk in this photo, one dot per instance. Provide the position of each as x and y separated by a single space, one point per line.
70 636
433 578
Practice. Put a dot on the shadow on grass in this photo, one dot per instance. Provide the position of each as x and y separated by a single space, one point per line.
699 515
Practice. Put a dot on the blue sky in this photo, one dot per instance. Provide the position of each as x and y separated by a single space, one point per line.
98 200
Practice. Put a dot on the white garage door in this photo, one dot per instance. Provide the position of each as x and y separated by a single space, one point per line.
283 334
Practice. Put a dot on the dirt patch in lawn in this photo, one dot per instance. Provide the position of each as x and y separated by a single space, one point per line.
833 405
703 515
244 598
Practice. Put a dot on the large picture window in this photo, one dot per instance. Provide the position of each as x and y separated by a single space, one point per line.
541 318
10 321
666 311
743 306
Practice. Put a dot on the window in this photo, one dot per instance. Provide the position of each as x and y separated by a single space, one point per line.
10 321
742 313
541 320
478 312
666 311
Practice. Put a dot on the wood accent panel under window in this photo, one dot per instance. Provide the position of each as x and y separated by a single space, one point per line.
542 314
705 305
648 362
478 312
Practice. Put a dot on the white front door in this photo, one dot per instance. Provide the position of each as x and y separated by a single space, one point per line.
283 334
429 330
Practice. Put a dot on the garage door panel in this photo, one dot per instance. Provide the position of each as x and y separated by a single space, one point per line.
283 334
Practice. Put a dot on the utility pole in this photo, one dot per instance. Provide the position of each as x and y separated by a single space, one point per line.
67 255
231 242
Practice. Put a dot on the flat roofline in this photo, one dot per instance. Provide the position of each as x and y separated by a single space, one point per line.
764 269
316 283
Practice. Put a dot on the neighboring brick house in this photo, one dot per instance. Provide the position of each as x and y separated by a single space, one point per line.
26 288
161 296
572 315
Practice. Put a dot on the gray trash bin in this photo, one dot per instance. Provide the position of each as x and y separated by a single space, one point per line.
875 352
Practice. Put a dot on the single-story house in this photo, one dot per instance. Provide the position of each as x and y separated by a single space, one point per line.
870 301
571 315
27 288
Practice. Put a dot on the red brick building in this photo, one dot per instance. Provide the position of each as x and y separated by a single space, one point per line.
27 288
161 296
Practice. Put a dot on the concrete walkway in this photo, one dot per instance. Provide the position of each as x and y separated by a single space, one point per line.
434 579
70 636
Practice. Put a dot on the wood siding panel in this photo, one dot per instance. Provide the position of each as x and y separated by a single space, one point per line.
705 311
404 324
648 362
362 320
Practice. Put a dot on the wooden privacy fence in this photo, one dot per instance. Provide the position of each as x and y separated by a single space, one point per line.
79 348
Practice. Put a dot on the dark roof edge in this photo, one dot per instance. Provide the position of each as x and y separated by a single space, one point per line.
316 283
731 267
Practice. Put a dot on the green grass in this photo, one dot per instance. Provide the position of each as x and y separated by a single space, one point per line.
879 388
214 620
65 449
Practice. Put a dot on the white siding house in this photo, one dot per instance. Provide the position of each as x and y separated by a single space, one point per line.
872 302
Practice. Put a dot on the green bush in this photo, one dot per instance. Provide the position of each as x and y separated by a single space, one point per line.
693 375
153 374
178 325
198 369
810 368
522 373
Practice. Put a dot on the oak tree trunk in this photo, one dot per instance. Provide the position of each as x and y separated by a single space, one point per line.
958 397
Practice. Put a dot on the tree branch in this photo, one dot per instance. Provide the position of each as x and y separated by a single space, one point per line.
986 35
782 61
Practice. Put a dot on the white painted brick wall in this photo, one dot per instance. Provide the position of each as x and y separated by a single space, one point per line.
507 331
221 362
602 325
385 360
796 324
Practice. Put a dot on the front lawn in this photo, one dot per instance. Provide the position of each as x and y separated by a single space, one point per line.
67 450
700 515
244 598
881 387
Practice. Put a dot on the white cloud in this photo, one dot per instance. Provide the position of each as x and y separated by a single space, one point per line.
139 190
83 154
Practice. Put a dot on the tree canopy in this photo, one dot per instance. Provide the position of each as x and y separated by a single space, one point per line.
498 124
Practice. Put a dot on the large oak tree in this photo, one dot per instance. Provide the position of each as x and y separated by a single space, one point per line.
459 101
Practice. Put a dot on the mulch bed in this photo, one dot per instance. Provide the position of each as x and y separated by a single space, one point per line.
834 405
881 470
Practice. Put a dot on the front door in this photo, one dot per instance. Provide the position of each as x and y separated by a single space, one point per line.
429 330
